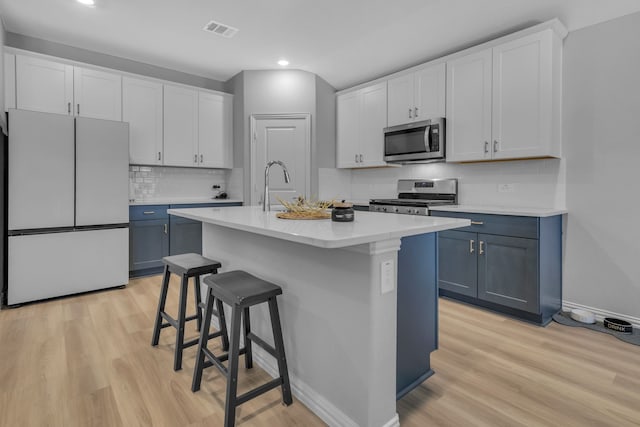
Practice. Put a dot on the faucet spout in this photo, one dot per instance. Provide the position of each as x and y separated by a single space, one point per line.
266 205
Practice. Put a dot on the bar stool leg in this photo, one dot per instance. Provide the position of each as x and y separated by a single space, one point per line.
177 361
232 376
279 344
198 299
223 325
202 343
161 304
248 355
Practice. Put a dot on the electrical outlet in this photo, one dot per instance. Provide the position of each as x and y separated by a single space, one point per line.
506 188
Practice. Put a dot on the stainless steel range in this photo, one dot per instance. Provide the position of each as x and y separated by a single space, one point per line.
415 196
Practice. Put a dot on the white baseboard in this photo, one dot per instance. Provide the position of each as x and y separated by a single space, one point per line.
601 314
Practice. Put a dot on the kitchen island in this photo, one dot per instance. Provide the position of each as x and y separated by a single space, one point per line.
339 302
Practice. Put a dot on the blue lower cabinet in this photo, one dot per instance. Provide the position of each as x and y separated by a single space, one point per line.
185 236
148 244
508 264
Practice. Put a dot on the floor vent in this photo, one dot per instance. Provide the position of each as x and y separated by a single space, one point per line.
220 29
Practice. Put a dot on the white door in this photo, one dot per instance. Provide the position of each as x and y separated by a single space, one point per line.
288 140
401 102
142 109
373 120
43 85
97 95
348 130
180 126
430 92
522 91
469 107
214 130
41 170
102 166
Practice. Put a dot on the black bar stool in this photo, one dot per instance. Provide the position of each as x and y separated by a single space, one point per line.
187 265
241 290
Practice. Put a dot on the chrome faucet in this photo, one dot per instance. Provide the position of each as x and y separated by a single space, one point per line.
266 205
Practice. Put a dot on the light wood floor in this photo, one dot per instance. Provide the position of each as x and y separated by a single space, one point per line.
87 361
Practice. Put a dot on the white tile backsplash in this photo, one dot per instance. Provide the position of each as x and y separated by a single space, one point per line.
156 182
536 183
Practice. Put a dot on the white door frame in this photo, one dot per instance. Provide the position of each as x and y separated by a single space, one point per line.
307 147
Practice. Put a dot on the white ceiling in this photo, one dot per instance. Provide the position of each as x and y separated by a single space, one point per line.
343 41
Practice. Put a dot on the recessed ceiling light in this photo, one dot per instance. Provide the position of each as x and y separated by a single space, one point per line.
87 2
283 63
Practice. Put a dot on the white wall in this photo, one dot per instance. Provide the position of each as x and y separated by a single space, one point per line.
602 148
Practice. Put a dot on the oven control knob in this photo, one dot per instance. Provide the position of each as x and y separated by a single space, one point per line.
395 209
384 209
409 211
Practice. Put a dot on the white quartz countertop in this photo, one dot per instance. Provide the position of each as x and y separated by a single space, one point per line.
366 228
501 210
181 201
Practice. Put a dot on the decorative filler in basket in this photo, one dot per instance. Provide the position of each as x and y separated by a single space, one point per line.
305 209
618 325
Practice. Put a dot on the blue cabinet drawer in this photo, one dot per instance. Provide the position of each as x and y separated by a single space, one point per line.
147 212
505 225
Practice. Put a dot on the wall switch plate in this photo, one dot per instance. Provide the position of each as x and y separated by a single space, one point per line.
506 188
387 276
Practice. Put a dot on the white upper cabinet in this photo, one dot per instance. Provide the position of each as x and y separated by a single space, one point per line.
468 126
9 81
180 126
504 102
362 117
417 96
96 94
142 109
215 125
53 87
43 85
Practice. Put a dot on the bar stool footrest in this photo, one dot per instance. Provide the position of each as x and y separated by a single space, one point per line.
266 347
258 391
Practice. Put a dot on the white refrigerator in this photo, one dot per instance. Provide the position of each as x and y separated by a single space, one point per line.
68 205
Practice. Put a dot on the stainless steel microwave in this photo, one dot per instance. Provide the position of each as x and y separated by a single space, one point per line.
417 142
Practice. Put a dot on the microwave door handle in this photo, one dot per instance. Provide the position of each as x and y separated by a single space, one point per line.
427 139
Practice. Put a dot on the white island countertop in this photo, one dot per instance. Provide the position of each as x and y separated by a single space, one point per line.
367 227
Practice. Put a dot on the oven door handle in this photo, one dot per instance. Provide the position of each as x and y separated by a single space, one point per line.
427 139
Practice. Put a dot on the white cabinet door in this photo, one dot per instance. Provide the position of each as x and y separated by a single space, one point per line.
9 81
373 120
142 109
97 95
43 85
430 85
469 107
180 126
401 100
522 93
214 130
348 130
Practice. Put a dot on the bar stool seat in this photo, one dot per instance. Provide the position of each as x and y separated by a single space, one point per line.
187 265
241 290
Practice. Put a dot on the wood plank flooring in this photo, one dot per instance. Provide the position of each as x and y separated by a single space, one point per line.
87 361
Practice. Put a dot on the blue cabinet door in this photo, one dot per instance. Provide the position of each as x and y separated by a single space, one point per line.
148 244
185 236
458 262
508 271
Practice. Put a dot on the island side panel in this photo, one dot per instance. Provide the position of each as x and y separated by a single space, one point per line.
339 328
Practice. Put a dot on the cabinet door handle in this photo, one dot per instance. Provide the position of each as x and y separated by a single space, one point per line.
356 158
360 158
166 228
471 248
415 112
195 158
201 158
481 249
68 108
477 222
486 147
159 155
409 112
78 109
148 212
495 146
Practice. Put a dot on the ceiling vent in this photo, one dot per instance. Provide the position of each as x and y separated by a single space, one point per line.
220 29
